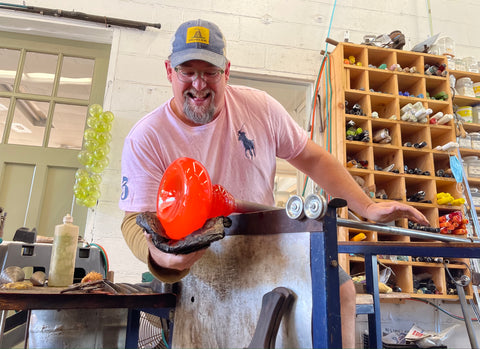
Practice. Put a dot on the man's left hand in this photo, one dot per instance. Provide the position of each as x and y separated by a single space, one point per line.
388 211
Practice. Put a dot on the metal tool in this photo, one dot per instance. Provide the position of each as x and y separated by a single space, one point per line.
315 207
462 282
275 304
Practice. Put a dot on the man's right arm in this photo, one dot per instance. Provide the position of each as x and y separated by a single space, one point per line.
166 267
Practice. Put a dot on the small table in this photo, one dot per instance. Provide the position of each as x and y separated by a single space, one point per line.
159 304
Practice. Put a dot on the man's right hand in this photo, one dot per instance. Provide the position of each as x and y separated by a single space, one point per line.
170 260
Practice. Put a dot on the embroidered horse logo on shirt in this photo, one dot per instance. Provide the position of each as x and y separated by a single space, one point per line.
248 144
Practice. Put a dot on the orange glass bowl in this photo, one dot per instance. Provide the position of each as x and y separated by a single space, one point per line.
186 198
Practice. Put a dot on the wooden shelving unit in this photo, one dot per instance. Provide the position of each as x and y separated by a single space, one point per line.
378 90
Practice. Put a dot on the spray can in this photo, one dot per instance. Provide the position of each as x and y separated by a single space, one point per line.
64 250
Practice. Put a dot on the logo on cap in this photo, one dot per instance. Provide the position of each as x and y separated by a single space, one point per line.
198 34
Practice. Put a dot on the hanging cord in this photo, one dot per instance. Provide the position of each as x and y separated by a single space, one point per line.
317 85
103 254
439 308
327 64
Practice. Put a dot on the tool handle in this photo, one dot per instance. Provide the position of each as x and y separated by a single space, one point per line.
271 305
331 41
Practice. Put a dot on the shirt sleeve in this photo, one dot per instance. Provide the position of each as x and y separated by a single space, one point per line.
141 176
290 138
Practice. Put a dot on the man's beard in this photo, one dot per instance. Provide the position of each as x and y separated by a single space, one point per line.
200 115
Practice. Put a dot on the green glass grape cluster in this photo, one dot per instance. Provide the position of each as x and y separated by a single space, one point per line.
93 156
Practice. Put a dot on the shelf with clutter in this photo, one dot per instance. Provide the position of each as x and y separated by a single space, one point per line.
393 122
466 104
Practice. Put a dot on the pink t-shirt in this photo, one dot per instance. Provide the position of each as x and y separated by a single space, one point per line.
238 148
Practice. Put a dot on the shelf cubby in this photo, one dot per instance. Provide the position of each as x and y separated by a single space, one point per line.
414 84
415 133
418 159
382 81
434 273
435 85
394 131
392 185
441 135
384 105
378 56
408 60
357 97
415 184
356 79
384 156
359 151
358 52
402 277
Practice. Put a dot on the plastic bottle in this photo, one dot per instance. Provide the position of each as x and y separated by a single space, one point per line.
64 250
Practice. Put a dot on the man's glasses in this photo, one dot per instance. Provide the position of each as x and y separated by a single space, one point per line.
190 75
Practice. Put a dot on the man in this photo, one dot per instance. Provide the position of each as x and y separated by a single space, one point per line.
236 133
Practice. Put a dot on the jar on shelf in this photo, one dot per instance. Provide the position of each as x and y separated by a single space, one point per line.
474 168
464 87
451 62
460 64
465 114
445 46
471 64
476 89
476 114
465 142
475 196
475 140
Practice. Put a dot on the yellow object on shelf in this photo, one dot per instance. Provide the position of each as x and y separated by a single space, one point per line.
359 237
382 288
448 199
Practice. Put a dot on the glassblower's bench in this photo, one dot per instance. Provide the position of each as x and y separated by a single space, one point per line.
324 249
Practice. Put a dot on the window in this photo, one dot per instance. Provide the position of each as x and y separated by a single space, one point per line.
46 86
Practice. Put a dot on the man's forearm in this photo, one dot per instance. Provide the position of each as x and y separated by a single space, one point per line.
135 239
133 235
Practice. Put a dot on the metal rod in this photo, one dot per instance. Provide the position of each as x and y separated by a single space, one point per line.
400 231
80 16
249 207
477 299
466 316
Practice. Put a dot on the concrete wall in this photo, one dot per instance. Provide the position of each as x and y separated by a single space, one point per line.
278 38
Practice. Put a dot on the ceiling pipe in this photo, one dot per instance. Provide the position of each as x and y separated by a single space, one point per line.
108 21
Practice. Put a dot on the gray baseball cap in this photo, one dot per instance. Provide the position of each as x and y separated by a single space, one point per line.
198 39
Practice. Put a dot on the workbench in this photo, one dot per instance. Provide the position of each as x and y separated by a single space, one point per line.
193 307
51 298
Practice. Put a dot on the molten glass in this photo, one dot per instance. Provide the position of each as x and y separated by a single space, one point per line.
186 198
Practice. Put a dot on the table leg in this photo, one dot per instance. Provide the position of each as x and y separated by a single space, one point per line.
3 319
133 325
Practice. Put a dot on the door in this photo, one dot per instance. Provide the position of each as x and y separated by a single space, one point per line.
46 86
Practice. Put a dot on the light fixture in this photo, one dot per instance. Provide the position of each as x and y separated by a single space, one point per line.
20 128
